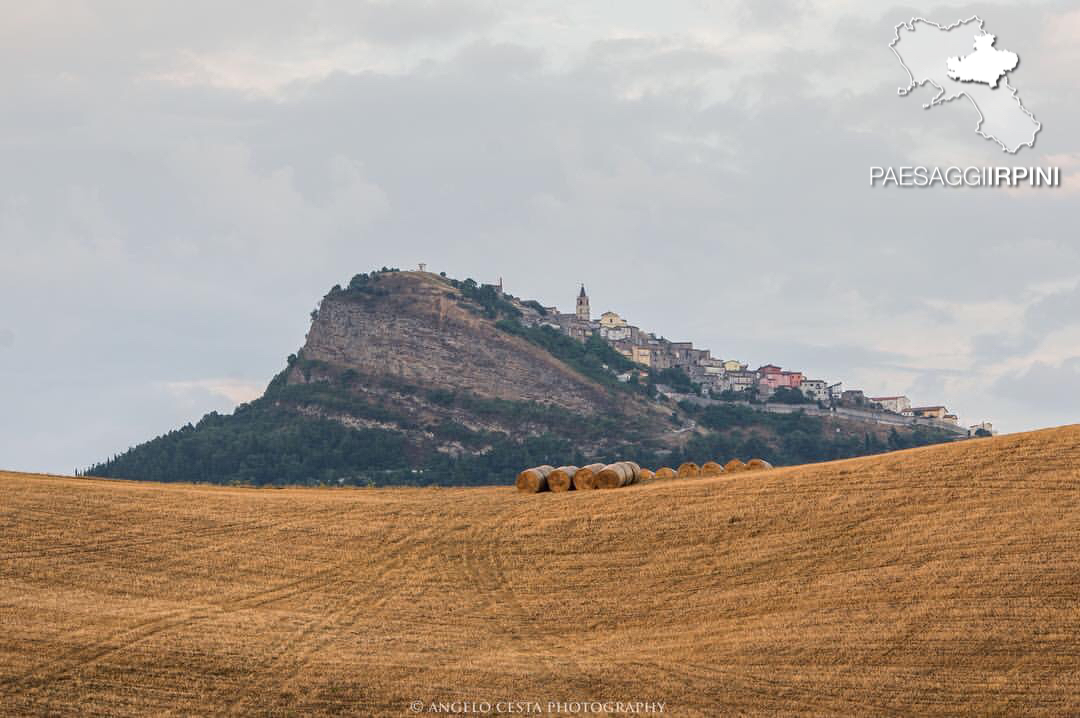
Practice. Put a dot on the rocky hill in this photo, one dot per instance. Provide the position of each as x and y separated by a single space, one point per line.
420 330
414 330
411 377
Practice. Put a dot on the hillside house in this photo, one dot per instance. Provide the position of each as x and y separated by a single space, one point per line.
815 389
574 327
643 355
855 397
682 354
738 381
895 404
772 377
930 412
651 352
615 329
712 371
768 378
699 358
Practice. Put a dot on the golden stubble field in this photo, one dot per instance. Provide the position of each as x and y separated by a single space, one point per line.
943 580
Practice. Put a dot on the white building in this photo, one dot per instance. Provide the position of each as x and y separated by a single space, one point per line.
815 389
895 404
738 381
712 367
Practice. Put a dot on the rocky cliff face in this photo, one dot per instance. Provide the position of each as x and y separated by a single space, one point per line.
423 332
412 353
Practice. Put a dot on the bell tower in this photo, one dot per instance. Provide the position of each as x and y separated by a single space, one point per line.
583 305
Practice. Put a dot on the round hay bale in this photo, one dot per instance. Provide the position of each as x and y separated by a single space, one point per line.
562 478
585 477
688 470
646 475
665 472
636 469
534 480
734 465
710 468
758 465
615 475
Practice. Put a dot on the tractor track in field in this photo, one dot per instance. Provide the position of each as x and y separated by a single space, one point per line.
101 547
511 619
296 652
131 634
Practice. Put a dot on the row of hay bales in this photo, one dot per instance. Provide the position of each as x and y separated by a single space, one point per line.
619 474
593 476
712 468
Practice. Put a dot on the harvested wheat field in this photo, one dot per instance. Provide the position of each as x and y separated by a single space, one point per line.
942 580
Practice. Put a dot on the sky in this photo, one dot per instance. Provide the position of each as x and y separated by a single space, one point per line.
181 182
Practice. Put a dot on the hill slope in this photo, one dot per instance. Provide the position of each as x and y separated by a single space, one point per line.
938 580
409 377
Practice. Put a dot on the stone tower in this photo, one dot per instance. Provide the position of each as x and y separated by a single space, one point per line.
583 305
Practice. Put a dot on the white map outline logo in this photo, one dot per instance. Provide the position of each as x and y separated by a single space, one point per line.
996 105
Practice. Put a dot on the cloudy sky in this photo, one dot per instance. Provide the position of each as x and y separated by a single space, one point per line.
181 182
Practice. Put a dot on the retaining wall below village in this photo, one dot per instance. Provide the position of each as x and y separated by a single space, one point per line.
878 417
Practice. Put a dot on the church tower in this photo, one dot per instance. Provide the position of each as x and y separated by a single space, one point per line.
583 305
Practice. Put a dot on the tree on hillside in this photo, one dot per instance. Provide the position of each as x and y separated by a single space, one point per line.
785 395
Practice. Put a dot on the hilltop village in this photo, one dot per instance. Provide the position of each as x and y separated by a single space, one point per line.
769 386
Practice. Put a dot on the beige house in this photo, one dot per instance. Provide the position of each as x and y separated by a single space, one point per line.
929 412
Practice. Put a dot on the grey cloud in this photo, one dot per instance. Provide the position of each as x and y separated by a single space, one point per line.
410 20
1057 311
833 362
654 55
102 31
1051 387
7 338
771 13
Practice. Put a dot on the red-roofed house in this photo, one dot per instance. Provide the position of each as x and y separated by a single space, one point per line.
772 377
